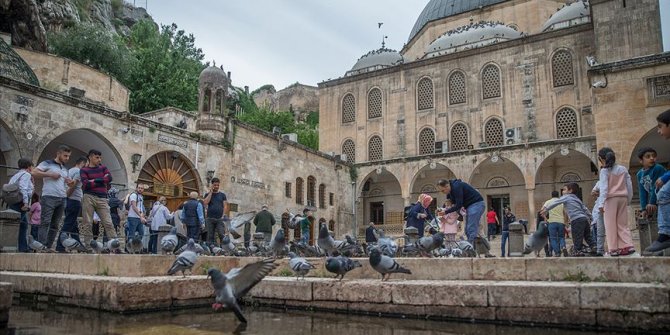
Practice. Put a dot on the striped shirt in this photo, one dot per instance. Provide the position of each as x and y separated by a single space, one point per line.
89 176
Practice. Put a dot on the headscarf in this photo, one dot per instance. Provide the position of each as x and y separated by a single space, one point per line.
425 200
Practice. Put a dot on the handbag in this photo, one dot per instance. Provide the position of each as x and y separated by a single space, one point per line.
11 193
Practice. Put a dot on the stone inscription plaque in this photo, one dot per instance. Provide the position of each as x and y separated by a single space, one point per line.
173 141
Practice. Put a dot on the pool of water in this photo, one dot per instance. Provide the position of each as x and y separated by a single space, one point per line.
56 320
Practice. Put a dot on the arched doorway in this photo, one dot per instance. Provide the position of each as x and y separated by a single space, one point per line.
9 153
563 167
653 140
425 181
169 174
381 197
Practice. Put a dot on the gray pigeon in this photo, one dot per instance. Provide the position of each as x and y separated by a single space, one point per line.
278 243
385 264
299 265
340 265
205 249
113 246
36 245
96 246
216 251
537 240
482 247
467 250
227 245
169 242
230 287
135 244
387 245
327 243
185 260
427 244
70 244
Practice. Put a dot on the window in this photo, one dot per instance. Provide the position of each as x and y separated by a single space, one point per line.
493 133
219 101
349 149
424 92
287 189
375 149
491 82
331 199
457 88
561 68
566 123
459 137
311 191
426 142
298 191
348 108
374 103
206 100
322 196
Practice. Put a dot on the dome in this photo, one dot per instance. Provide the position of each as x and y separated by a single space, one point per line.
213 76
570 15
375 60
439 9
474 35
14 67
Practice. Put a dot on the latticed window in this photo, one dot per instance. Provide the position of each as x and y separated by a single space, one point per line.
426 142
566 123
331 198
457 88
375 103
348 108
349 149
493 132
425 94
459 137
287 190
491 82
322 196
311 191
375 149
299 191
561 68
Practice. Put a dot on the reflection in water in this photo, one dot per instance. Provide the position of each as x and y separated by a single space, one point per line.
57 320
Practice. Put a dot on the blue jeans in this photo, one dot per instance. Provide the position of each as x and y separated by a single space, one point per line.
474 214
153 241
556 237
304 236
22 245
503 251
134 225
70 226
663 201
193 231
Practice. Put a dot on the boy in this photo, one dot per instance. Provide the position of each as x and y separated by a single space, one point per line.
663 196
578 215
646 177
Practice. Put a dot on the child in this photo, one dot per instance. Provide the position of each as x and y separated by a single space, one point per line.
616 193
578 215
449 223
598 222
35 215
646 177
663 196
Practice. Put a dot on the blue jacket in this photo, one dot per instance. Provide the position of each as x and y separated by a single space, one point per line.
646 180
414 221
462 195
193 213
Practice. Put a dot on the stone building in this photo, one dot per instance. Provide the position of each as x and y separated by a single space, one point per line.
512 96
46 101
299 98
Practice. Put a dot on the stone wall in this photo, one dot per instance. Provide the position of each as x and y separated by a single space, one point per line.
173 116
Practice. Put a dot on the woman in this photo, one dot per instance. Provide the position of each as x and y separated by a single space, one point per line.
419 213
159 217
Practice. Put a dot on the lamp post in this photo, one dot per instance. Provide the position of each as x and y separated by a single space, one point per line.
210 175
135 161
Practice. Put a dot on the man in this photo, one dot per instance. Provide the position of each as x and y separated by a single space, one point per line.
217 212
136 217
264 221
464 196
72 204
492 223
55 178
371 233
25 182
193 216
96 179
508 218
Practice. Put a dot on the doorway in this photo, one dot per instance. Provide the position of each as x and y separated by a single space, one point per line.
377 212
498 202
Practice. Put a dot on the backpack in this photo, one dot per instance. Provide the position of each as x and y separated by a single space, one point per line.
406 211
11 194
126 201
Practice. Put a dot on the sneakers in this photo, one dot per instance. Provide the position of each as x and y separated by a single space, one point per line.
657 246
565 252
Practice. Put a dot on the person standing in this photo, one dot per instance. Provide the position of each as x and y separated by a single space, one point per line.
578 215
193 216
305 224
25 183
371 233
72 204
616 193
96 179
264 221
217 212
114 205
464 196
663 240
492 223
419 213
136 217
646 178
159 217
556 225
508 218
34 215
55 178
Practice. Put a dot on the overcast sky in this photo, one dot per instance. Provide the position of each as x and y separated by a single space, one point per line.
281 42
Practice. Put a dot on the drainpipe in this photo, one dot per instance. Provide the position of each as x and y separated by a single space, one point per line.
197 154
353 208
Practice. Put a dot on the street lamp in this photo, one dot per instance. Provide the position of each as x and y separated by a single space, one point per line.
210 175
135 161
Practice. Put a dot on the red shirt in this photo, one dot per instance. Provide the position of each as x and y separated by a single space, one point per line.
491 217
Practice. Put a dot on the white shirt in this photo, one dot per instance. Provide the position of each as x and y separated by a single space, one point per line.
53 187
25 185
139 202
159 216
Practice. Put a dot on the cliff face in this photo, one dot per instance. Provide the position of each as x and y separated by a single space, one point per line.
28 21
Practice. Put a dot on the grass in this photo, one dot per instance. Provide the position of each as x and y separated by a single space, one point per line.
284 272
104 272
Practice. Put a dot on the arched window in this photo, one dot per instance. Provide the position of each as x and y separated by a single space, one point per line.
219 101
207 100
566 123
348 108
375 149
424 91
299 191
561 68
374 103
491 82
322 196
493 133
349 149
426 142
311 191
457 88
459 137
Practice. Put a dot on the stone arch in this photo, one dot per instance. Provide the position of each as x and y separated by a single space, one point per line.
429 174
650 139
169 174
564 165
380 195
501 183
10 152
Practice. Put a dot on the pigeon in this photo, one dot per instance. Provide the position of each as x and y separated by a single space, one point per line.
169 242
427 244
96 246
113 246
216 251
299 265
135 244
36 245
230 287
467 250
385 264
326 242
70 244
278 243
205 249
227 245
482 247
537 240
340 265
185 260
387 245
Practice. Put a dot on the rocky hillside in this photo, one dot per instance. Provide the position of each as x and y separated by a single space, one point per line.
29 21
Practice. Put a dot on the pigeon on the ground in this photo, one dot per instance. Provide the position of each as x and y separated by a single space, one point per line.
36 245
427 244
482 247
340 265
230 287
299 265
205 249
216 251
537 240
135 244
467 250
327 243
278 243
387 245
185 260
169 242
113 246
385 264
227 245
70 244
96 246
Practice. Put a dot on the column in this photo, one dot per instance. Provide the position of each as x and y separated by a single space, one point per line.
532 212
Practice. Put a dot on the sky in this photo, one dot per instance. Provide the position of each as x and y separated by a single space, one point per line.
281 42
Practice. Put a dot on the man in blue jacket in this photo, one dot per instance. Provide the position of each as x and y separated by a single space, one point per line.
464 196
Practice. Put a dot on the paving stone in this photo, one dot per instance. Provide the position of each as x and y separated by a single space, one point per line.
625 297
447 293
566 316
652 269
499 269
533 294
193 287
85 264
572 269
283 288
143 293
21 261
351 290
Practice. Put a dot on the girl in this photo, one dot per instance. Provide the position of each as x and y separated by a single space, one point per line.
449 223
616 193
35 215
578 215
